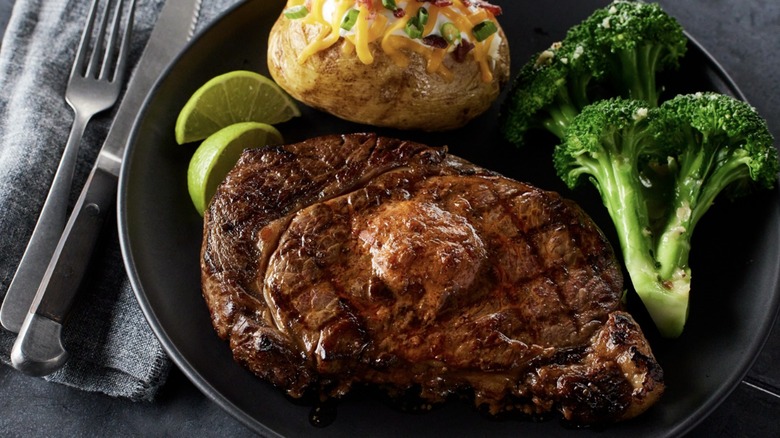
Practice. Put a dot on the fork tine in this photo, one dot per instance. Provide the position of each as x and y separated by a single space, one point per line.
120 69
108 58
81 52
97 50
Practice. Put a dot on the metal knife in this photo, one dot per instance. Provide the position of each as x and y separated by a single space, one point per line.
38 348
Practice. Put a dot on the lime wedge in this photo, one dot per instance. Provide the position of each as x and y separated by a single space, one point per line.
234 97
219 153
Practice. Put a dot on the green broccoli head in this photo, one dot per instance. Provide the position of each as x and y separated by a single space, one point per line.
658 170
632 41
616 52
718 144
722 143
548 93
607 136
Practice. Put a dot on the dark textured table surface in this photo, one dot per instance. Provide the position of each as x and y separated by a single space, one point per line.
743 35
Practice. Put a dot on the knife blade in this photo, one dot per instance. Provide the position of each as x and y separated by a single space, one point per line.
38 349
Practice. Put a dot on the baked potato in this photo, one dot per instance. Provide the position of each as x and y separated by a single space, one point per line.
430 65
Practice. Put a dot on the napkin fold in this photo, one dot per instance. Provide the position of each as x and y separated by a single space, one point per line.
112 348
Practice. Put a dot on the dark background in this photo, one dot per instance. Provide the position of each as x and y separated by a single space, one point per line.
743 35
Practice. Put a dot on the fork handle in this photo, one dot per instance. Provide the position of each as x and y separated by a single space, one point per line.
38 349
43 241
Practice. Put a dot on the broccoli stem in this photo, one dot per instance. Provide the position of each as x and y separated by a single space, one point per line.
666 301
701 178
734 169
578 86
665 286
559 120
699 182
674 244
629 73
674 241
665 297
664 294
561 113
637 71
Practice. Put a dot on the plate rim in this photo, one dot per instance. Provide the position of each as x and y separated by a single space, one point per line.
712 402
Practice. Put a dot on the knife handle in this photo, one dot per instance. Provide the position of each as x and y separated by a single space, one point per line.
38 349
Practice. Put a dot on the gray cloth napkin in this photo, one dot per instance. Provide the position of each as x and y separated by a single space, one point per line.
112 348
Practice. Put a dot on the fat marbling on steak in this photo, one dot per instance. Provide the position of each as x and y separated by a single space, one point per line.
358 259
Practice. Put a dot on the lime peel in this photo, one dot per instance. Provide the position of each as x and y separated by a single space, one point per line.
233 97
219 153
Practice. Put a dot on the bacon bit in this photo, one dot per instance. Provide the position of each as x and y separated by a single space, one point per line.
369 4
462 50
399 13
439 3
435 41
493 9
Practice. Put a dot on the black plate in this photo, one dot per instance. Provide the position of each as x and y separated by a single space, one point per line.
734 258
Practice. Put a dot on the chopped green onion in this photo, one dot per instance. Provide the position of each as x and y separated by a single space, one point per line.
350 19
390 4
422 16
413 28
483 30
296 12
450 32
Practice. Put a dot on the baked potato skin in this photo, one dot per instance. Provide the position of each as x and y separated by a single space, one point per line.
382 93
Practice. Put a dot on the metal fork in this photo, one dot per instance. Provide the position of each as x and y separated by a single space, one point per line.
94 84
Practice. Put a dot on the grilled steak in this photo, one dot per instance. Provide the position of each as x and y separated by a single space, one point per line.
357 259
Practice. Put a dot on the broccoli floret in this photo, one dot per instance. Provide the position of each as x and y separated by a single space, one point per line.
632 42
616 52
609 143
548 93
669 162
720 144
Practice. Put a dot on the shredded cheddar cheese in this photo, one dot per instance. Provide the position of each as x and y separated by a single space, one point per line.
389 30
